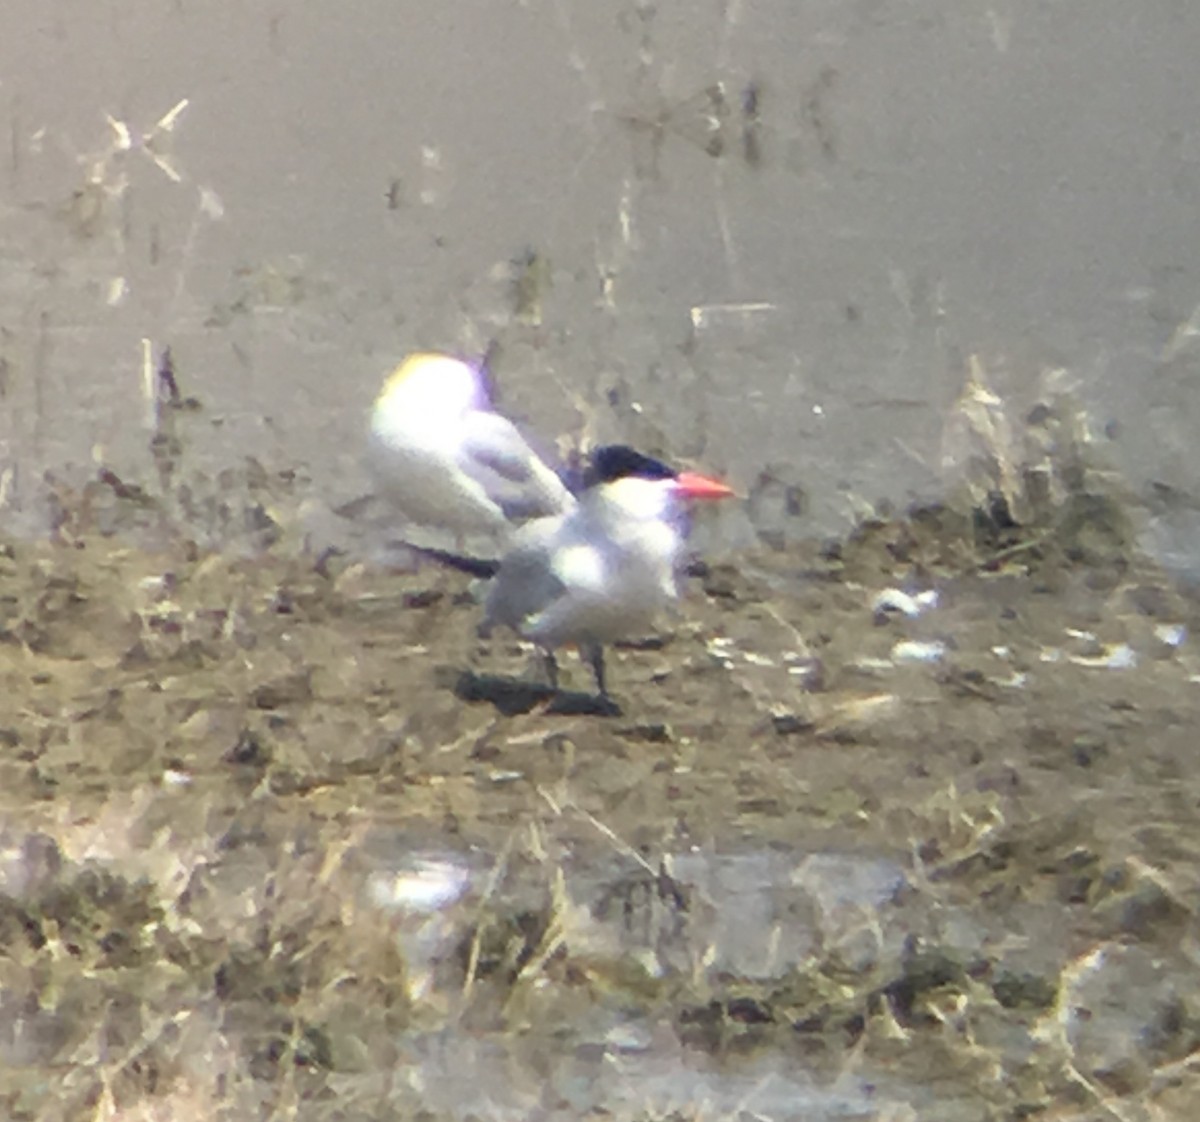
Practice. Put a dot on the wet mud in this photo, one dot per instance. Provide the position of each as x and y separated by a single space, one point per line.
896 826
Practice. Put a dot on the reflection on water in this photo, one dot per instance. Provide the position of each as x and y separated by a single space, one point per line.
756 915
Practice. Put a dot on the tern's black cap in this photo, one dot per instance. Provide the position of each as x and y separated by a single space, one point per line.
611 462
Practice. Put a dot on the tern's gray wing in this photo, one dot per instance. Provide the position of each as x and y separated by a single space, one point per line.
526 582
497 457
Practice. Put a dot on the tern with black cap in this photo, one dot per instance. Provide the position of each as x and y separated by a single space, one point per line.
603 570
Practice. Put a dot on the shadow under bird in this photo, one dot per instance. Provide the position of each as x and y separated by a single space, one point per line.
603 570
442 456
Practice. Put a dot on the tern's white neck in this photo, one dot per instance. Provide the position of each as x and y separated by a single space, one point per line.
636 500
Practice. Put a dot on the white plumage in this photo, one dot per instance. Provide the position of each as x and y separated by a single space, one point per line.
443 457
601 571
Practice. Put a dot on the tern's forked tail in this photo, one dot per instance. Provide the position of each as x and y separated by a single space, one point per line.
484 567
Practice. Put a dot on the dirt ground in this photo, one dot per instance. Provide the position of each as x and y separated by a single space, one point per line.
280 837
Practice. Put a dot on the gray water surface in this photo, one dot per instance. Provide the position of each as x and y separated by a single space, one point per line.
787 274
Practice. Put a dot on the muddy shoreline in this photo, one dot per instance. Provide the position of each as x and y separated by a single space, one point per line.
281 816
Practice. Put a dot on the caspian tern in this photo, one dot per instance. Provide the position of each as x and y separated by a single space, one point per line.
603 570
444 457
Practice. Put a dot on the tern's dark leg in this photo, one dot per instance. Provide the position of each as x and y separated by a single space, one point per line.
551 665
594 654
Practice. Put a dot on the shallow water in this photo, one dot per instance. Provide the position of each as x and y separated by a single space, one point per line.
895 190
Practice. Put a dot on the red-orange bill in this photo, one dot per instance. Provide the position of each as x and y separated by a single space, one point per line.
697 486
